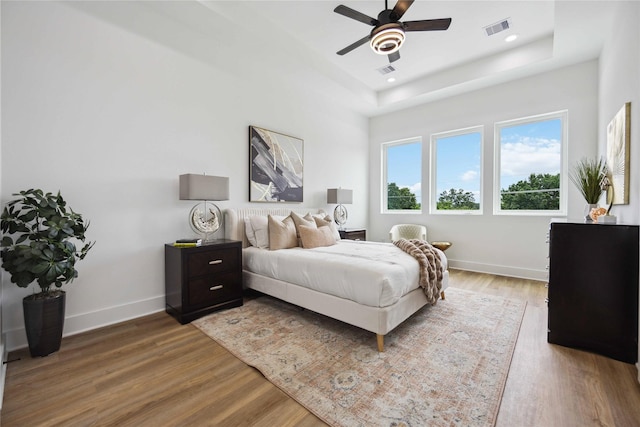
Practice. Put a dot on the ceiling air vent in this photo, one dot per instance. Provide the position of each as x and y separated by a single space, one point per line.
492 29
386 70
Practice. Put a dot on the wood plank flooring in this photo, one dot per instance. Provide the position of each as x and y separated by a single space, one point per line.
152 371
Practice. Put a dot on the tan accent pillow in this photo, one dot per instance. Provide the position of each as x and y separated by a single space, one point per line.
328 222
302 220
314 237
282 234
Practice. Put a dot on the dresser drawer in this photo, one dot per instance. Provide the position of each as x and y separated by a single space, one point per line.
211 290
214 261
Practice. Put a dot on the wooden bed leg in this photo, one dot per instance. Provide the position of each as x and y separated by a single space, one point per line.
442 294
380 343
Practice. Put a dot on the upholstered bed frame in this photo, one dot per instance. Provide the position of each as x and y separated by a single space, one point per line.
379 320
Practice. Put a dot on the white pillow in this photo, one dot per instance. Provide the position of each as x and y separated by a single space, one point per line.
260 226
248 230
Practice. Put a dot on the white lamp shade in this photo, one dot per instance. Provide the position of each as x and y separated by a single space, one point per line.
340 196
203 187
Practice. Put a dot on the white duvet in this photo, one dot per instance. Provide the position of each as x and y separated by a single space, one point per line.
369 273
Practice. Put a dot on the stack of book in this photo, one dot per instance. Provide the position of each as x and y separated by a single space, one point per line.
187 243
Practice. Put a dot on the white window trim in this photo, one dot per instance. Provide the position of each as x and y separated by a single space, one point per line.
563 115
433 199
383 174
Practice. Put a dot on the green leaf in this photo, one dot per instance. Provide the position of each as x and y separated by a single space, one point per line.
40 268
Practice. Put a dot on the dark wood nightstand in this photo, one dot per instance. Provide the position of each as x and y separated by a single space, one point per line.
353 234
202 279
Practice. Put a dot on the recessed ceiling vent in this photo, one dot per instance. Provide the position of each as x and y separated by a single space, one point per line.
492 29
386 70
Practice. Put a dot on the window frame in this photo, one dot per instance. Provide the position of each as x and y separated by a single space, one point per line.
563 115
433 199
384 181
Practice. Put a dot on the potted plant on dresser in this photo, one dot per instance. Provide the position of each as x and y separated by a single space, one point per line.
587 175
39 245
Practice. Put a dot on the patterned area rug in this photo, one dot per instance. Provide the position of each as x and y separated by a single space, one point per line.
444 366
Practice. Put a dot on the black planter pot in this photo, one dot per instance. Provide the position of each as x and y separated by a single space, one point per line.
44 321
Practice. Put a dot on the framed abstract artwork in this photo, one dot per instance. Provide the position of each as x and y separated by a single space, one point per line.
275 166
618 142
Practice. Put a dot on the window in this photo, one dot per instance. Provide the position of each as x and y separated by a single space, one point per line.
456 173
402 176
530 165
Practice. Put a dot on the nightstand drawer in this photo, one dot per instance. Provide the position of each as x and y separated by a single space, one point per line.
211 290
202 279
210 262
358 234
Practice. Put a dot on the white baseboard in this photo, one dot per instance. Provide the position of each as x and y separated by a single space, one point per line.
500 270
17 338
3 371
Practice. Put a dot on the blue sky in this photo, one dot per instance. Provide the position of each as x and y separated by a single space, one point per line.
403 167
525 149
458 163
530 148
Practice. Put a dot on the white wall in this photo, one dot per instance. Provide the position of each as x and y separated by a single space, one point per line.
109 103
620 83
508 245
3 348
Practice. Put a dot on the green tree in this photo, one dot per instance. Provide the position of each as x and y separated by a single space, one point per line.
400 198
457 199
531 194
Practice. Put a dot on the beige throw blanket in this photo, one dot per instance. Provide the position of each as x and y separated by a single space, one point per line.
430 266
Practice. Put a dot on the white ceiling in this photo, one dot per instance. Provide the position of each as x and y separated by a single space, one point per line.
434 64
306 34
325 32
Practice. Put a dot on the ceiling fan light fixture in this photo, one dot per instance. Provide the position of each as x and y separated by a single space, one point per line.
387 39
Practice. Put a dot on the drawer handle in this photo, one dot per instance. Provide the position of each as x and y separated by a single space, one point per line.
215 261
216 288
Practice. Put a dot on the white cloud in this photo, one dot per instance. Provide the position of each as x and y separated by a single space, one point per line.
469 176
530 155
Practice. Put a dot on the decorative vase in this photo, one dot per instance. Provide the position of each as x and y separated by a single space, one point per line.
587 211
44 321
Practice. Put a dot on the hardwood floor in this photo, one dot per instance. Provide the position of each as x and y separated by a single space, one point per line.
153 371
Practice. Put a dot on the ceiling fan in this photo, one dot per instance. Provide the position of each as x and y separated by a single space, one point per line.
388 32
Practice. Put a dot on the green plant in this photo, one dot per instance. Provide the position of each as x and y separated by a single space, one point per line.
44 230
587 175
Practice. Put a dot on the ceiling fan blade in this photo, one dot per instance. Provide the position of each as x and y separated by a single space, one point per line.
354 14
393 57
400 8
354 45
427 25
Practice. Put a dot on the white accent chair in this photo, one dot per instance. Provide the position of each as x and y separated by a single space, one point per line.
408 231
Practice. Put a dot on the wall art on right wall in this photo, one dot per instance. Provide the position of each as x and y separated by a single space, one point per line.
618 141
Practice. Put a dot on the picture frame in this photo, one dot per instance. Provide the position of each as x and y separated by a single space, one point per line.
618 146
276 166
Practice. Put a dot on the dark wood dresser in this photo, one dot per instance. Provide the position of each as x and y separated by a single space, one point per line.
202 279
593 288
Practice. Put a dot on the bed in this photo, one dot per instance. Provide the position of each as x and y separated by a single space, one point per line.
343 294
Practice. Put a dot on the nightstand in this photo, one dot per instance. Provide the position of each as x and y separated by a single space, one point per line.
443 246
202 279
353 234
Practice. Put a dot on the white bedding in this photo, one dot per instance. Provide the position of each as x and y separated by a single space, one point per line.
369 273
